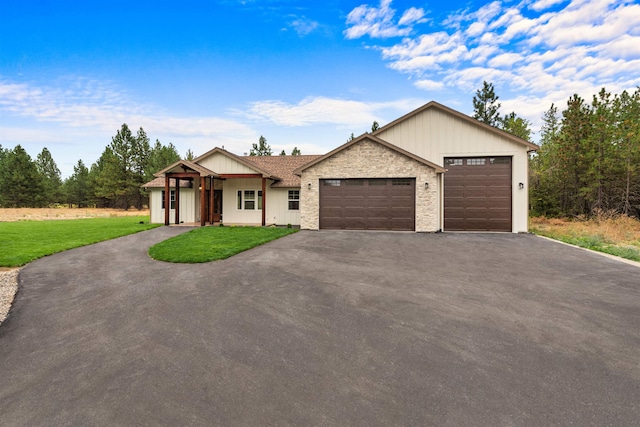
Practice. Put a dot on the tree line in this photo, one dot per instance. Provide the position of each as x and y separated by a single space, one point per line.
589 156
113 181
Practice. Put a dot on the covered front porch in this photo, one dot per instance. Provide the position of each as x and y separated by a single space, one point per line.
207 188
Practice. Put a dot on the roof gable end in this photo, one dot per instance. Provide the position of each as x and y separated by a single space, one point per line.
375 139
185 166
468 119
220 151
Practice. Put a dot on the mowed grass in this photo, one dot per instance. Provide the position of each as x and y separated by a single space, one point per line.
213 243
615 234
24 241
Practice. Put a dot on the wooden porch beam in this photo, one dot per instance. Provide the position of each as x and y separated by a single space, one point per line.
177 200
167 202
240 175
182 175
264 201
211 193
203 205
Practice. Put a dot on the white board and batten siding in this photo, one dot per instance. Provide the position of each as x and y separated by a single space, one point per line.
278 212
434 135
277 204
187 206
220 163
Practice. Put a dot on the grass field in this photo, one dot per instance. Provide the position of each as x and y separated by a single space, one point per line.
214 243
28 214
24 241
614 234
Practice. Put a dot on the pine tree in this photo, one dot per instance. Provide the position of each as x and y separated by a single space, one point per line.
261 148
160 156
516 126
486 106
295 151
77 186
22 183
52 183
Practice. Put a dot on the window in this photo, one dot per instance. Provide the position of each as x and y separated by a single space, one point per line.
401 182
247 200
354 182
475 162
453 162
331 182
500 160
172 199
294 200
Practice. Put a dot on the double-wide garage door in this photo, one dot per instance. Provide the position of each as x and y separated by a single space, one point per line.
477 194
368 204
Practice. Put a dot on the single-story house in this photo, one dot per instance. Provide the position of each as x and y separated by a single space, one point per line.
434 169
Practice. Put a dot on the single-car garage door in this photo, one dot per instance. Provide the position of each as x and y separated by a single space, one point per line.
368 204
477 194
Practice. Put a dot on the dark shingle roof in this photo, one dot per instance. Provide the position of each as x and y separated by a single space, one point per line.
282 167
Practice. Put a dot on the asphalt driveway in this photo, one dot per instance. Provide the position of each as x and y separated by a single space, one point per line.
326 328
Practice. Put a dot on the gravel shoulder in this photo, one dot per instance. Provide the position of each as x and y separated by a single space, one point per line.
8 289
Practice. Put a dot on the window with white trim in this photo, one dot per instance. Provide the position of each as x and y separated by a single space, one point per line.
294 200
249 200
172 199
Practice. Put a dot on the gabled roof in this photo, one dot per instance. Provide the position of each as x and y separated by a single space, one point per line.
435 105
277 168
282 167
438 169
240 159
185 166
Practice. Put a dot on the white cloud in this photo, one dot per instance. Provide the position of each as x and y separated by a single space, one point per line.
412 16
378 22
427 84
536 52
304 26
505 60
545 4
81 115
321 110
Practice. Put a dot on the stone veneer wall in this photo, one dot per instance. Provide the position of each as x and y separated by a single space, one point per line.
369 159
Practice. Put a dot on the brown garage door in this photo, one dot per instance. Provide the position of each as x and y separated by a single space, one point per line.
367 204
477 194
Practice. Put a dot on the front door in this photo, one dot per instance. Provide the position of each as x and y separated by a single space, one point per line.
217 205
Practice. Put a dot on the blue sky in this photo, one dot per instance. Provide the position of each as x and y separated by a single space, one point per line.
212 73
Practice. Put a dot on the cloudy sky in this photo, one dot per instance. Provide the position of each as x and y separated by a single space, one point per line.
202 74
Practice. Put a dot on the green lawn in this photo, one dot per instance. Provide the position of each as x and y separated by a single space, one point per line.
24 241
212 243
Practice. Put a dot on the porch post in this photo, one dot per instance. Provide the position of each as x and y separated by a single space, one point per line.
264 201
167 202
203 207
211 193
177 200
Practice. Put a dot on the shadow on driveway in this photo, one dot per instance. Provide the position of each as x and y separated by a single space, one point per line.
332 328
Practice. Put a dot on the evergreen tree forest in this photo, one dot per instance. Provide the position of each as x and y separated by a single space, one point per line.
113 181
589 158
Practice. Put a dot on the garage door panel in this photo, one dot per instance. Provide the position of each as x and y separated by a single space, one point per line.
477 194
368 204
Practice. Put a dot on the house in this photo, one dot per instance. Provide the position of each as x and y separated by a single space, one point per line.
433 169
220 186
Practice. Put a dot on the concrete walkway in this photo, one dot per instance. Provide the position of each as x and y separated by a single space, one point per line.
326 328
